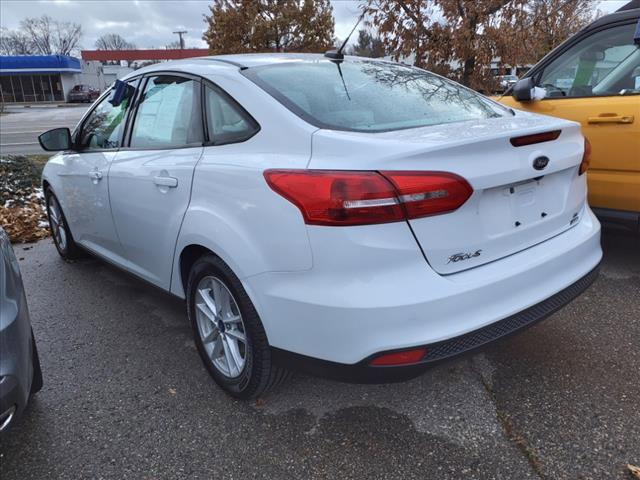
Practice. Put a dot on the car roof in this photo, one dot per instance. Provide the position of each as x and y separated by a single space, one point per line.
213 63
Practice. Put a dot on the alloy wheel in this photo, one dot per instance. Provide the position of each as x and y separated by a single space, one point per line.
221 327
56 221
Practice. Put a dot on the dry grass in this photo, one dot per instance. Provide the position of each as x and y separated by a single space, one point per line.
22 212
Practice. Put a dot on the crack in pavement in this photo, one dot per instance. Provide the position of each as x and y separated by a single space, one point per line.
509 430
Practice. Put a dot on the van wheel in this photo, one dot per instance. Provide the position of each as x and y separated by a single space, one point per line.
228 332
59 228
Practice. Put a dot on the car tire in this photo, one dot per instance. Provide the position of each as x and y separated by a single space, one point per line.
243 370
62 238
36 382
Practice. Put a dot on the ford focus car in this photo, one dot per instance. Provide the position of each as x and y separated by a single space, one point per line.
353 218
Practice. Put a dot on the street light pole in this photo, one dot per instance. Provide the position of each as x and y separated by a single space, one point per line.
180 33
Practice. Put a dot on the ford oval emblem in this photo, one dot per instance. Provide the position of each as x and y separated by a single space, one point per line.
540 162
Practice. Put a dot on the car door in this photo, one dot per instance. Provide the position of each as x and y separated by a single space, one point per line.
150 179
596 82
84 178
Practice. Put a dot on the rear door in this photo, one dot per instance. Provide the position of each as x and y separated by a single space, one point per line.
597 82
150 180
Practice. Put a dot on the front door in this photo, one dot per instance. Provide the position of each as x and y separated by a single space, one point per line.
150 180
85 185
597 82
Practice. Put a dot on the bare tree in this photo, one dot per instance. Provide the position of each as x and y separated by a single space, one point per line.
67 37
175 45
39 32
14 43
113 41
46 36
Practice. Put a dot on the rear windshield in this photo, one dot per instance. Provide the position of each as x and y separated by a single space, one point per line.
370 96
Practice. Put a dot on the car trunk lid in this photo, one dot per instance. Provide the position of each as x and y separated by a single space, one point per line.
513 205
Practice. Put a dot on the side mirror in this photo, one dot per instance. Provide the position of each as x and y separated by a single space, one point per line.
522 89
56 139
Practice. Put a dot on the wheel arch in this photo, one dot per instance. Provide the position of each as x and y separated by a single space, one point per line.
188 256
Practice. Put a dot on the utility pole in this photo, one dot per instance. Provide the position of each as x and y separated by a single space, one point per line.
180 33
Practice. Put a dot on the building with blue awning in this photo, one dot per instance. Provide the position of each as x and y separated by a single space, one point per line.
38 78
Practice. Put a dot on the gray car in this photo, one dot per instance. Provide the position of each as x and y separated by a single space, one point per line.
20 374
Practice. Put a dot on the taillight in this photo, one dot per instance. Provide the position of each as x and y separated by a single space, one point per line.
406 357
586 157
337 198
340 198
429 193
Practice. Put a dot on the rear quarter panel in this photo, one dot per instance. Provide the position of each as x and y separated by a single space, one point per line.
233 212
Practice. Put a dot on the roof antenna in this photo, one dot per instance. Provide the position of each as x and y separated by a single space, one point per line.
337 55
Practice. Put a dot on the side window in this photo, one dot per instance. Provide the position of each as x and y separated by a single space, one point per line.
102 129
227 121
169 114
605 63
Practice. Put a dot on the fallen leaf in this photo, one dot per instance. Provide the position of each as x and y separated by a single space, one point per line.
172 391
635 471
260 402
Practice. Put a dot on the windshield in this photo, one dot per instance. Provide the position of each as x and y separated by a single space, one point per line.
370 96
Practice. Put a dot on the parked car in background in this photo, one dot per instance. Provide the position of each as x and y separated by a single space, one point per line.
505 82
20 374
594 78
83 93
350 217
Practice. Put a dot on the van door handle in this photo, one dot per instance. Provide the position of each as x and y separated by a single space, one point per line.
611 118
170 182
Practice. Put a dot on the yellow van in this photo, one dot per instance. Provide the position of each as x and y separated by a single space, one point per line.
594 78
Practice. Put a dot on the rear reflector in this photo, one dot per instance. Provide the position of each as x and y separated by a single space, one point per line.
586 157
535 138
406 357
341 198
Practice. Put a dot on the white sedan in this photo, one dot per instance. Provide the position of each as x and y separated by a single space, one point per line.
353 218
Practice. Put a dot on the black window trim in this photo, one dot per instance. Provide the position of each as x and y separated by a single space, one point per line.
537 70
240 109
131 117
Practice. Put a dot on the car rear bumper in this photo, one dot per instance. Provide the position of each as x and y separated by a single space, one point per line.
363 372
378 294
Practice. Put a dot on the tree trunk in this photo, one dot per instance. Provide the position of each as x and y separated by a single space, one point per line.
467 71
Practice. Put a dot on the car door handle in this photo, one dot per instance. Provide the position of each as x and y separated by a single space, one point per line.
170 182
608 118
95 176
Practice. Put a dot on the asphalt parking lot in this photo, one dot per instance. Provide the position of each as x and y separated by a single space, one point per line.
126 396
20 127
